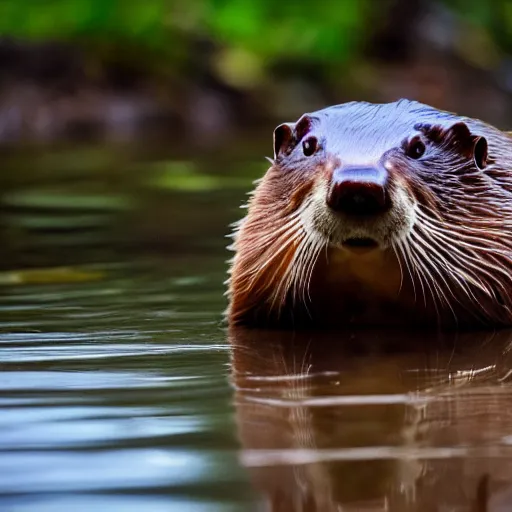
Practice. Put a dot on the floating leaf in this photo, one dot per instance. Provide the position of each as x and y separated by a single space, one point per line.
54 275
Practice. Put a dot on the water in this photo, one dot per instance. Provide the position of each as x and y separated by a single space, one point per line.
116 393
120 388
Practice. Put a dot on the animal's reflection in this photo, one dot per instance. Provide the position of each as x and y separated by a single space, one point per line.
332 422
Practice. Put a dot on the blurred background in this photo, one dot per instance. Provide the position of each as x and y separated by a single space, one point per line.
84 69
130 134
108 106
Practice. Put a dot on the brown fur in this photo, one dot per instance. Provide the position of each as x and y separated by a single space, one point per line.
452 266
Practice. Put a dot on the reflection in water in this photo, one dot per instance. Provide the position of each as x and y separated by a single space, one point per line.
375 421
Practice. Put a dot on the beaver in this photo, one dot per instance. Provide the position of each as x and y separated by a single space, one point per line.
395 213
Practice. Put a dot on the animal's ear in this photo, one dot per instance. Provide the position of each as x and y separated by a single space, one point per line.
283 138
303 126
458 137
481 153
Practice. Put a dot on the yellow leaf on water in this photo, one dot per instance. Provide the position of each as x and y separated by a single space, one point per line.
54 275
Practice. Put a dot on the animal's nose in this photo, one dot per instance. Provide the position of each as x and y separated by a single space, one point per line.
359 191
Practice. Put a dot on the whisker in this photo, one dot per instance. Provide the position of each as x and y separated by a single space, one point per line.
426 264
466 261
400 265
414 264
425 276
399 245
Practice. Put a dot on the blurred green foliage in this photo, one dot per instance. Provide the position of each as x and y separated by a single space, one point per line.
43 19
494 17
249 35
326 29
261 30
294 28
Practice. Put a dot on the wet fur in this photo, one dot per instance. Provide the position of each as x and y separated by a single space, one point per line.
445 253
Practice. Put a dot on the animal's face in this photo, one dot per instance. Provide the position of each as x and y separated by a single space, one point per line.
431 188
368 169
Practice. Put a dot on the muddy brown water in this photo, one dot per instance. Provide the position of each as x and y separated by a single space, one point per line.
120 389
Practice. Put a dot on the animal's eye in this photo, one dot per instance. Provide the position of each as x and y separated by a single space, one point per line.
415 148
309 146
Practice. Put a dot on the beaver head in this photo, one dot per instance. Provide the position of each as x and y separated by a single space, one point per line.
378 213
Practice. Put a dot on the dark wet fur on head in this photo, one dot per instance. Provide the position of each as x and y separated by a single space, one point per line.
454 247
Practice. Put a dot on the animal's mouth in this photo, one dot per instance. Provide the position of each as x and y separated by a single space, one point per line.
360 244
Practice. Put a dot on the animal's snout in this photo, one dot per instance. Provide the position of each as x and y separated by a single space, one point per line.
359 191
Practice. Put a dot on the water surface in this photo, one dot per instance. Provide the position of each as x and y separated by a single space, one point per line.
121 389
115 393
